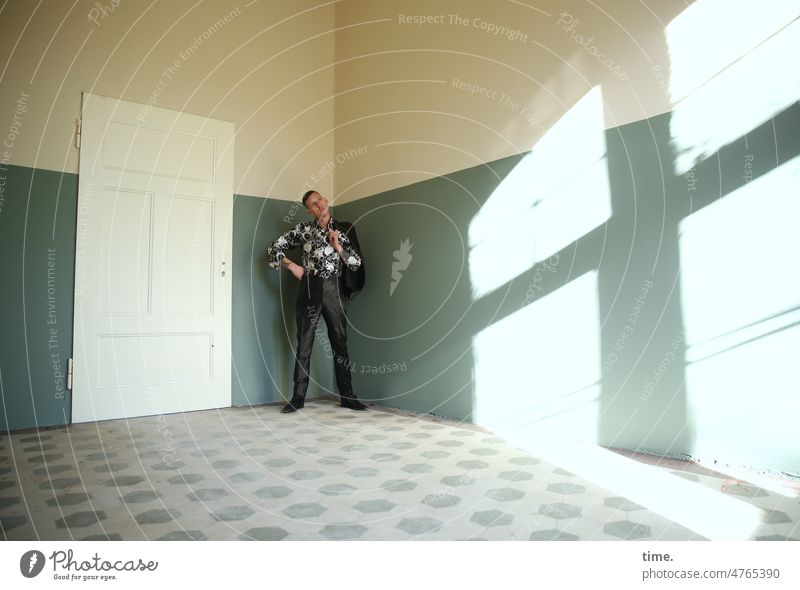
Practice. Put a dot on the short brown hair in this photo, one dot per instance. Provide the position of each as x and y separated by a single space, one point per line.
308 194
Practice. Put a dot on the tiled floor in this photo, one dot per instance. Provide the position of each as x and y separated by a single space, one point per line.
324 473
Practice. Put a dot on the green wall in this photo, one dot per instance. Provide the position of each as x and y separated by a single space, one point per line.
430 322
37 241
37 237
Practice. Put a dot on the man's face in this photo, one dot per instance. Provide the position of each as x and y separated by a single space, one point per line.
317 205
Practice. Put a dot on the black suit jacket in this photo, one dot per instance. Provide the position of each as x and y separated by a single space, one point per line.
351 281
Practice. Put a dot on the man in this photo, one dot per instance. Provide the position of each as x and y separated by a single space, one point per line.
326 252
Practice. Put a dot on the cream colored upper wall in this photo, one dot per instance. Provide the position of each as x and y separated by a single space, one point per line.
267 68
477 80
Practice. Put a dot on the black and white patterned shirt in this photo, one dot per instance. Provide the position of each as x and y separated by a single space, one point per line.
319 257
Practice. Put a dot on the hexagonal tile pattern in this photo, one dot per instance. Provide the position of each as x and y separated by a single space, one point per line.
10 501
60 483
267 533
257 452
306 474
435 454
124 480
186 479
101 456
441 500
384 457
565 488
45 458
435 476
524 461
399 485
473 464
559 510
341 532
310 510
455 481
417 468
168 466
207 495
231 513
369 506
332 460
35 439
111 467
248 477
337 489
50 470
140 496
776 517
69 499
157 516
81 519
419 525
329 439
483 451
625 529
279 462
505 494
308 450
225 464
355 448
363 472
492 518
463 433
273 492
9 522
621 503
515 475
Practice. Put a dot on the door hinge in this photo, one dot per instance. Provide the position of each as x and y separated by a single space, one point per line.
78 124
69 374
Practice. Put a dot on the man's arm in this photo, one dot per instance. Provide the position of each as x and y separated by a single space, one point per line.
344 247
276 255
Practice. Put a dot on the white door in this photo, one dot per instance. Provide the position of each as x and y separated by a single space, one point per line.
152 266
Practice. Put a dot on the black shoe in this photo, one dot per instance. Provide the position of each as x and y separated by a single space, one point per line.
292 406
353 403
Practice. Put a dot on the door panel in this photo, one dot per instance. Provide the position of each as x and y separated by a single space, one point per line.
152 297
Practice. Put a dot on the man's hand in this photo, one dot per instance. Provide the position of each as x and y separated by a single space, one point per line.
297 270
333 238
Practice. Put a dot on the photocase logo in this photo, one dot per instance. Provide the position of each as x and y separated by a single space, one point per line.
402 260
31 563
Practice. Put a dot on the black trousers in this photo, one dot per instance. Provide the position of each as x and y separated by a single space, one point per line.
317 297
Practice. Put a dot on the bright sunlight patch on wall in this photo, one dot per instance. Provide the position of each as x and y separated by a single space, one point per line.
539 368
732 67
740 293
556 194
